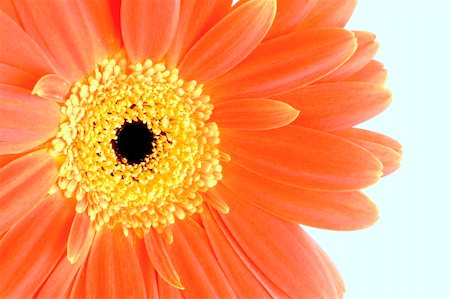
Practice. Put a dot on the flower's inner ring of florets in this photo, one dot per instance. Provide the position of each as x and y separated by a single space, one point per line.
149 191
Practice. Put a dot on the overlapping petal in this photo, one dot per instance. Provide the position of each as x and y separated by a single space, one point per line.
33 246
329 13
286 63
220 49
373 72
26 121
148 27
303 158
338 105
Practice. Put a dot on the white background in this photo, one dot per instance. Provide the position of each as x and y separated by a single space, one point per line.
406 254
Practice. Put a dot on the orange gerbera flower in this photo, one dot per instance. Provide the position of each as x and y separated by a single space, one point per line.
155 148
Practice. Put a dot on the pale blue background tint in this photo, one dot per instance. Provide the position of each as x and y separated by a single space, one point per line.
406 254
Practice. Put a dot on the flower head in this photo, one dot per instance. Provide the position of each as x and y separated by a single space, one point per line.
170 148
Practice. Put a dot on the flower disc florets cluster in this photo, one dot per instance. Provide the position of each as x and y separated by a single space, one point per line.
168 182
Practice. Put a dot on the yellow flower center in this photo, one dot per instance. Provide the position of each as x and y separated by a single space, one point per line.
136 147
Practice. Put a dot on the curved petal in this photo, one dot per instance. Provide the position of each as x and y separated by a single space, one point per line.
165 290
148 271
52 87
80 237
336 106
367 48
194 15
88 34
20 51
148 27
299 269
16 105
113 269
157 253
196 263
387 150
11 75
303 158
253 114
240 277
329 13
373 72
289 14
23 184
220 49
328 210
32 247
285 63
221 9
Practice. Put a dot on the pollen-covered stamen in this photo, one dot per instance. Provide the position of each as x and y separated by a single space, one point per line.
136 146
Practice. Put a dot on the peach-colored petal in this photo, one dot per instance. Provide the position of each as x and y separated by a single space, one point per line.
387 150
220 49
113 269
32 247
285 63
148 27
241 279
328 210
194 15
329 13
165 290
14 76
289 14
21 51
367 48
253 114
80 237
149 274
303 157
196 263
26 121
7 6
86 36
263 236
52 87
338 105
157 253
23 184
373 72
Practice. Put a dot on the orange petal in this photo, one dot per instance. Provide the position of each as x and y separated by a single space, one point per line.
286 63
387 150
14 76
297 264
329 13
7 6
221 9
220 49
216 202
26 121
253 114
367 48
52 87
373 72
78 289
5 159
148 271
58 284
194 15
113 269
336 106
165 290
148 27
80 236
328 210
289 14
303 158
32 247
240 277
20 51
88 34
160 259
24 182
196 263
